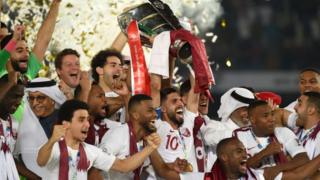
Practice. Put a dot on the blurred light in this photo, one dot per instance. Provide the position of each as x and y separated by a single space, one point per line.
223 23
228 62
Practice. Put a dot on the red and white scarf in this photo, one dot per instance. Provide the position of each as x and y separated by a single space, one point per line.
8 168
95 134
198 144
308 140
82 162
133 149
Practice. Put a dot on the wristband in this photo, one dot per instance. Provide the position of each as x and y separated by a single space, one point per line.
11 46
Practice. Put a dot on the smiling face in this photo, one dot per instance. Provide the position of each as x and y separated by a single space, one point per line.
240 116
97 102
173 108
70 70
309 81
236 158
19 57
147 115
41 104
203 104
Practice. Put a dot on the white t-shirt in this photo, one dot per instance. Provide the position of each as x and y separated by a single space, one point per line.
117 143
255 174
255 144
95 156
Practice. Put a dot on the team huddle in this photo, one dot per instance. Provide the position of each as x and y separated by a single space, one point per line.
90 126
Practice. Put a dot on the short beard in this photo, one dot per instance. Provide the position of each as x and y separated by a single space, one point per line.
149 128
174 119
16 67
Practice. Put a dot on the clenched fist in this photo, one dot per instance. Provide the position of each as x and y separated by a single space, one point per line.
153 140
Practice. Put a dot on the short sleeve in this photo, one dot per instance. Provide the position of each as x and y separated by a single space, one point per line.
54 159
290 141
111 143
103 161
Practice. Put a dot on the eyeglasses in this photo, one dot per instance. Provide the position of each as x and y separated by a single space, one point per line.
39 99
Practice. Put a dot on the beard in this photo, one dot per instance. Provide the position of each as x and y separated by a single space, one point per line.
16 67
149 128
174 119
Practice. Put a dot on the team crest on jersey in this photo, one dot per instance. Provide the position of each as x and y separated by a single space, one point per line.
185 132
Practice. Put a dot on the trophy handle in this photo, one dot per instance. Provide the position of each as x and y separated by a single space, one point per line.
166 13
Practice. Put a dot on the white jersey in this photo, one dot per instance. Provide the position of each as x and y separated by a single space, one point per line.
254 144
253 174
117 143
110 125
96 157
8 168
311 144
213 133
176 143
10 139
309 140
120 115
290 107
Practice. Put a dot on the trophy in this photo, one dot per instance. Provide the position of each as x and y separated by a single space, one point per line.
154 18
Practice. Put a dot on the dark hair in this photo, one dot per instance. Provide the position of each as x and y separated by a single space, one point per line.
136 99
3 25
62 54
313 98
310 69
185 87
100 59
165 92
68 108
222 145
254 104
5 40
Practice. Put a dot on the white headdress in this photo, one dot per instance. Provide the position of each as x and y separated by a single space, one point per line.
31 135
233 99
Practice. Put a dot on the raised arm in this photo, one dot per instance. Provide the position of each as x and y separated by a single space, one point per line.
133 162
46 30
193 98
120 41
45 151
155 89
